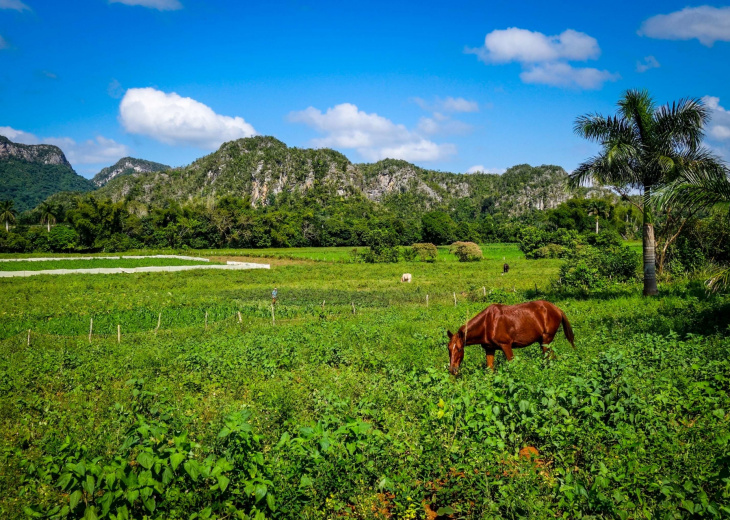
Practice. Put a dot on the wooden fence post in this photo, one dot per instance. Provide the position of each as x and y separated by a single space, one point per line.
484 290
427 301
454 299
240 320
91 328
273 317
206 320
353 308
119 334
29 337
159 320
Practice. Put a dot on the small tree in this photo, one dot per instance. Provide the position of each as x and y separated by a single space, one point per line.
7 213
48 214
426 252
466 251
598 208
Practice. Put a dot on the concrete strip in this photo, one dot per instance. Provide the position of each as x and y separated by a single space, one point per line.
61 258
151 269
131 257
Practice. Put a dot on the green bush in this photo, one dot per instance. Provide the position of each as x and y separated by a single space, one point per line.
62 239
426 252
592 268
549 251
466 251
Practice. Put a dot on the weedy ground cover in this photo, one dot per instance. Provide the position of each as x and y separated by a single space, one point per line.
334 413
41 265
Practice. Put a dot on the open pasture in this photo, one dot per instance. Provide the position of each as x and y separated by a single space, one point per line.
344 407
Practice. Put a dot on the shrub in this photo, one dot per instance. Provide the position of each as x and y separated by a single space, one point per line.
549 251
426 252
409 254
466 251
592 268
62 238
383 244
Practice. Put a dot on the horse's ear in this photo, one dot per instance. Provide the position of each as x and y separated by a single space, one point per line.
448 334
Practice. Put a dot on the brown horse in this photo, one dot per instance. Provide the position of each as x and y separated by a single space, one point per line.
504 327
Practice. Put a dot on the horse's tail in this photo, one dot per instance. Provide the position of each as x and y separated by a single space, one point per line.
568 330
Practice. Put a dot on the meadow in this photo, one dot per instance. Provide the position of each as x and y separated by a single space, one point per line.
41 265
341 406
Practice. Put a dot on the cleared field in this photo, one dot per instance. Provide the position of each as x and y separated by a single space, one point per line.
95 264
339 413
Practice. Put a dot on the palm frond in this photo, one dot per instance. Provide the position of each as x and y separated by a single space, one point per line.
681 122
719 280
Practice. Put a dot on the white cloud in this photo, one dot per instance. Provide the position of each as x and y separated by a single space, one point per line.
177 120
449 104
561 74
719 127
545 58
440 125
523 46
14 4
92 151
160 5
480 168
705 23
649 62
3 43
18 136
374 137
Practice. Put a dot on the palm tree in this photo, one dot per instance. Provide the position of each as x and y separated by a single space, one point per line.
48 214
644 147
7 213
701 188
598 208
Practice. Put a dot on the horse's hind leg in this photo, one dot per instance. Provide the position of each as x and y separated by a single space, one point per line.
544 344
507 349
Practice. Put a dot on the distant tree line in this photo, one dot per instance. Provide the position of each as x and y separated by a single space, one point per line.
88 223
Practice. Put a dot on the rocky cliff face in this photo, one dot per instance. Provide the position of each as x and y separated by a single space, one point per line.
264 167
35 153
126 166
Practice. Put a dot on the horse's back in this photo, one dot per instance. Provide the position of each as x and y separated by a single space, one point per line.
522 324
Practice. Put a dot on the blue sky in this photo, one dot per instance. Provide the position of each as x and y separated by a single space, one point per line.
454 86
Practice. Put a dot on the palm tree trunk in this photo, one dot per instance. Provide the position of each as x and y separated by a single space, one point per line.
650 287
596 225
49 225
7 226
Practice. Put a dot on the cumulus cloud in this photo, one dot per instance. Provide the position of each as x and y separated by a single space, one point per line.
649 62
545 58
449 104
705 23
373 136
561 74
480 168
521 45
92 151
719 127
18 136
177 120
16 5
160 5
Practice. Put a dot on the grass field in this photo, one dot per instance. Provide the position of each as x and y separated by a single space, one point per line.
41 265
335 413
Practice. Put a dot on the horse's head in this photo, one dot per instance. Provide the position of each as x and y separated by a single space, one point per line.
456 351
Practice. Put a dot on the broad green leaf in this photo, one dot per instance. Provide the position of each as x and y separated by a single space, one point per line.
192 468
73 500
259 491
446 510
146 460
270 502
176 459
223 482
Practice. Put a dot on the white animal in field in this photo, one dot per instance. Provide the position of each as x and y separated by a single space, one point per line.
406 278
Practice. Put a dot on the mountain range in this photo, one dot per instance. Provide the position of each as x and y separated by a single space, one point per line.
262 168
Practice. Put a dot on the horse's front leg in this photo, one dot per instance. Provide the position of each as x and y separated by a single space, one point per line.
490 356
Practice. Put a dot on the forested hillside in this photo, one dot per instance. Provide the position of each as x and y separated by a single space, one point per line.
31 173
